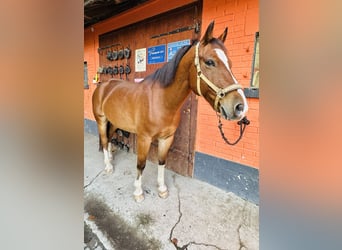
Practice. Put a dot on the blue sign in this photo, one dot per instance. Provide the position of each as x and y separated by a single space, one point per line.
156 54
172 48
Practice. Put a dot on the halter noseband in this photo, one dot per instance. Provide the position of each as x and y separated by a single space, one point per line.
220 93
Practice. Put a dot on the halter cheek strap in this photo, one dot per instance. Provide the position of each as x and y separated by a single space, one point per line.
220 93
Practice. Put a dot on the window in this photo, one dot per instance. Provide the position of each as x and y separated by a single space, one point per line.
85 79
255 65
253 90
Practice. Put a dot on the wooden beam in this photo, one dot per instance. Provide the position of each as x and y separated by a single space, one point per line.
138 13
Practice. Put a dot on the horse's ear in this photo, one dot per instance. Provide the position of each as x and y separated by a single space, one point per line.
209 33
223 36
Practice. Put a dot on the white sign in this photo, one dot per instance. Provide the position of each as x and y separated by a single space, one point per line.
140 60
172 48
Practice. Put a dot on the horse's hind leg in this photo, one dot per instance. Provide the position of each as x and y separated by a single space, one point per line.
111 147
143 148
163 148
103 128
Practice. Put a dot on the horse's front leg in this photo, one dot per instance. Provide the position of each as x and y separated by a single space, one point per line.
163 148
143 147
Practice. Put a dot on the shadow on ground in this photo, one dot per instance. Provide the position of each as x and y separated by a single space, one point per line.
119 233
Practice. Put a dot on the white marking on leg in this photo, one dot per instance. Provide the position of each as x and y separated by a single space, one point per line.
109 166
161 184
110 153
137 184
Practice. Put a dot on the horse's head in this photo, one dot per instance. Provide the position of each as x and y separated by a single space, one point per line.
215 80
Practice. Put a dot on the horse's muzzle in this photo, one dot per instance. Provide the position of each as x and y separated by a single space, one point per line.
233 113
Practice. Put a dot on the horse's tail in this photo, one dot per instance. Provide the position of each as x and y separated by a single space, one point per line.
108 124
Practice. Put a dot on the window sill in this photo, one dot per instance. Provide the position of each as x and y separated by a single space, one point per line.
251 92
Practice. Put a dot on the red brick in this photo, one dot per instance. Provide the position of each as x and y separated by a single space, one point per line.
253 4
252 129
223 19
236 28
248 57
250 147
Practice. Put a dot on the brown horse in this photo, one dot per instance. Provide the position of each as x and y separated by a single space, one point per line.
151 108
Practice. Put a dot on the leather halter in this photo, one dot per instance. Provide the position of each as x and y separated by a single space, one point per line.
220 93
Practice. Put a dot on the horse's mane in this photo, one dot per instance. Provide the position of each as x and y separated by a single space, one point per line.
166 74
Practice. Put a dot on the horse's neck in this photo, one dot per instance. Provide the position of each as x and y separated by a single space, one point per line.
179 90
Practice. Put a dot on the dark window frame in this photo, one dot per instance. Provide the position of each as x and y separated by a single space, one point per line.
253 91
85 76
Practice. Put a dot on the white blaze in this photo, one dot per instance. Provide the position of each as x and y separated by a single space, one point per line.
222 56
224 59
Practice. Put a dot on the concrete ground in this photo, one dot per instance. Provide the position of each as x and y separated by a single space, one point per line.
195 216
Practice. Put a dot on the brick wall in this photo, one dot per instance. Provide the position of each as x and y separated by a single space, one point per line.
242 19
92 58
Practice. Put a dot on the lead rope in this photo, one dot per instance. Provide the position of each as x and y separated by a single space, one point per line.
243 123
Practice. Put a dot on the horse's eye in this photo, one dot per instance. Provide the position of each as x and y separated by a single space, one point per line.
209 62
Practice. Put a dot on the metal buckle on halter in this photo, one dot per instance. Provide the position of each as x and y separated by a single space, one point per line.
221 93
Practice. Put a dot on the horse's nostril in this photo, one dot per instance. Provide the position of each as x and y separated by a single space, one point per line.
239 107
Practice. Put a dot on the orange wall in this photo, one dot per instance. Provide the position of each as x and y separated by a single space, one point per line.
91 43
242 19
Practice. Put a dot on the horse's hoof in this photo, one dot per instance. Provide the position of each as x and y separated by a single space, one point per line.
164 194
109 169
139 198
